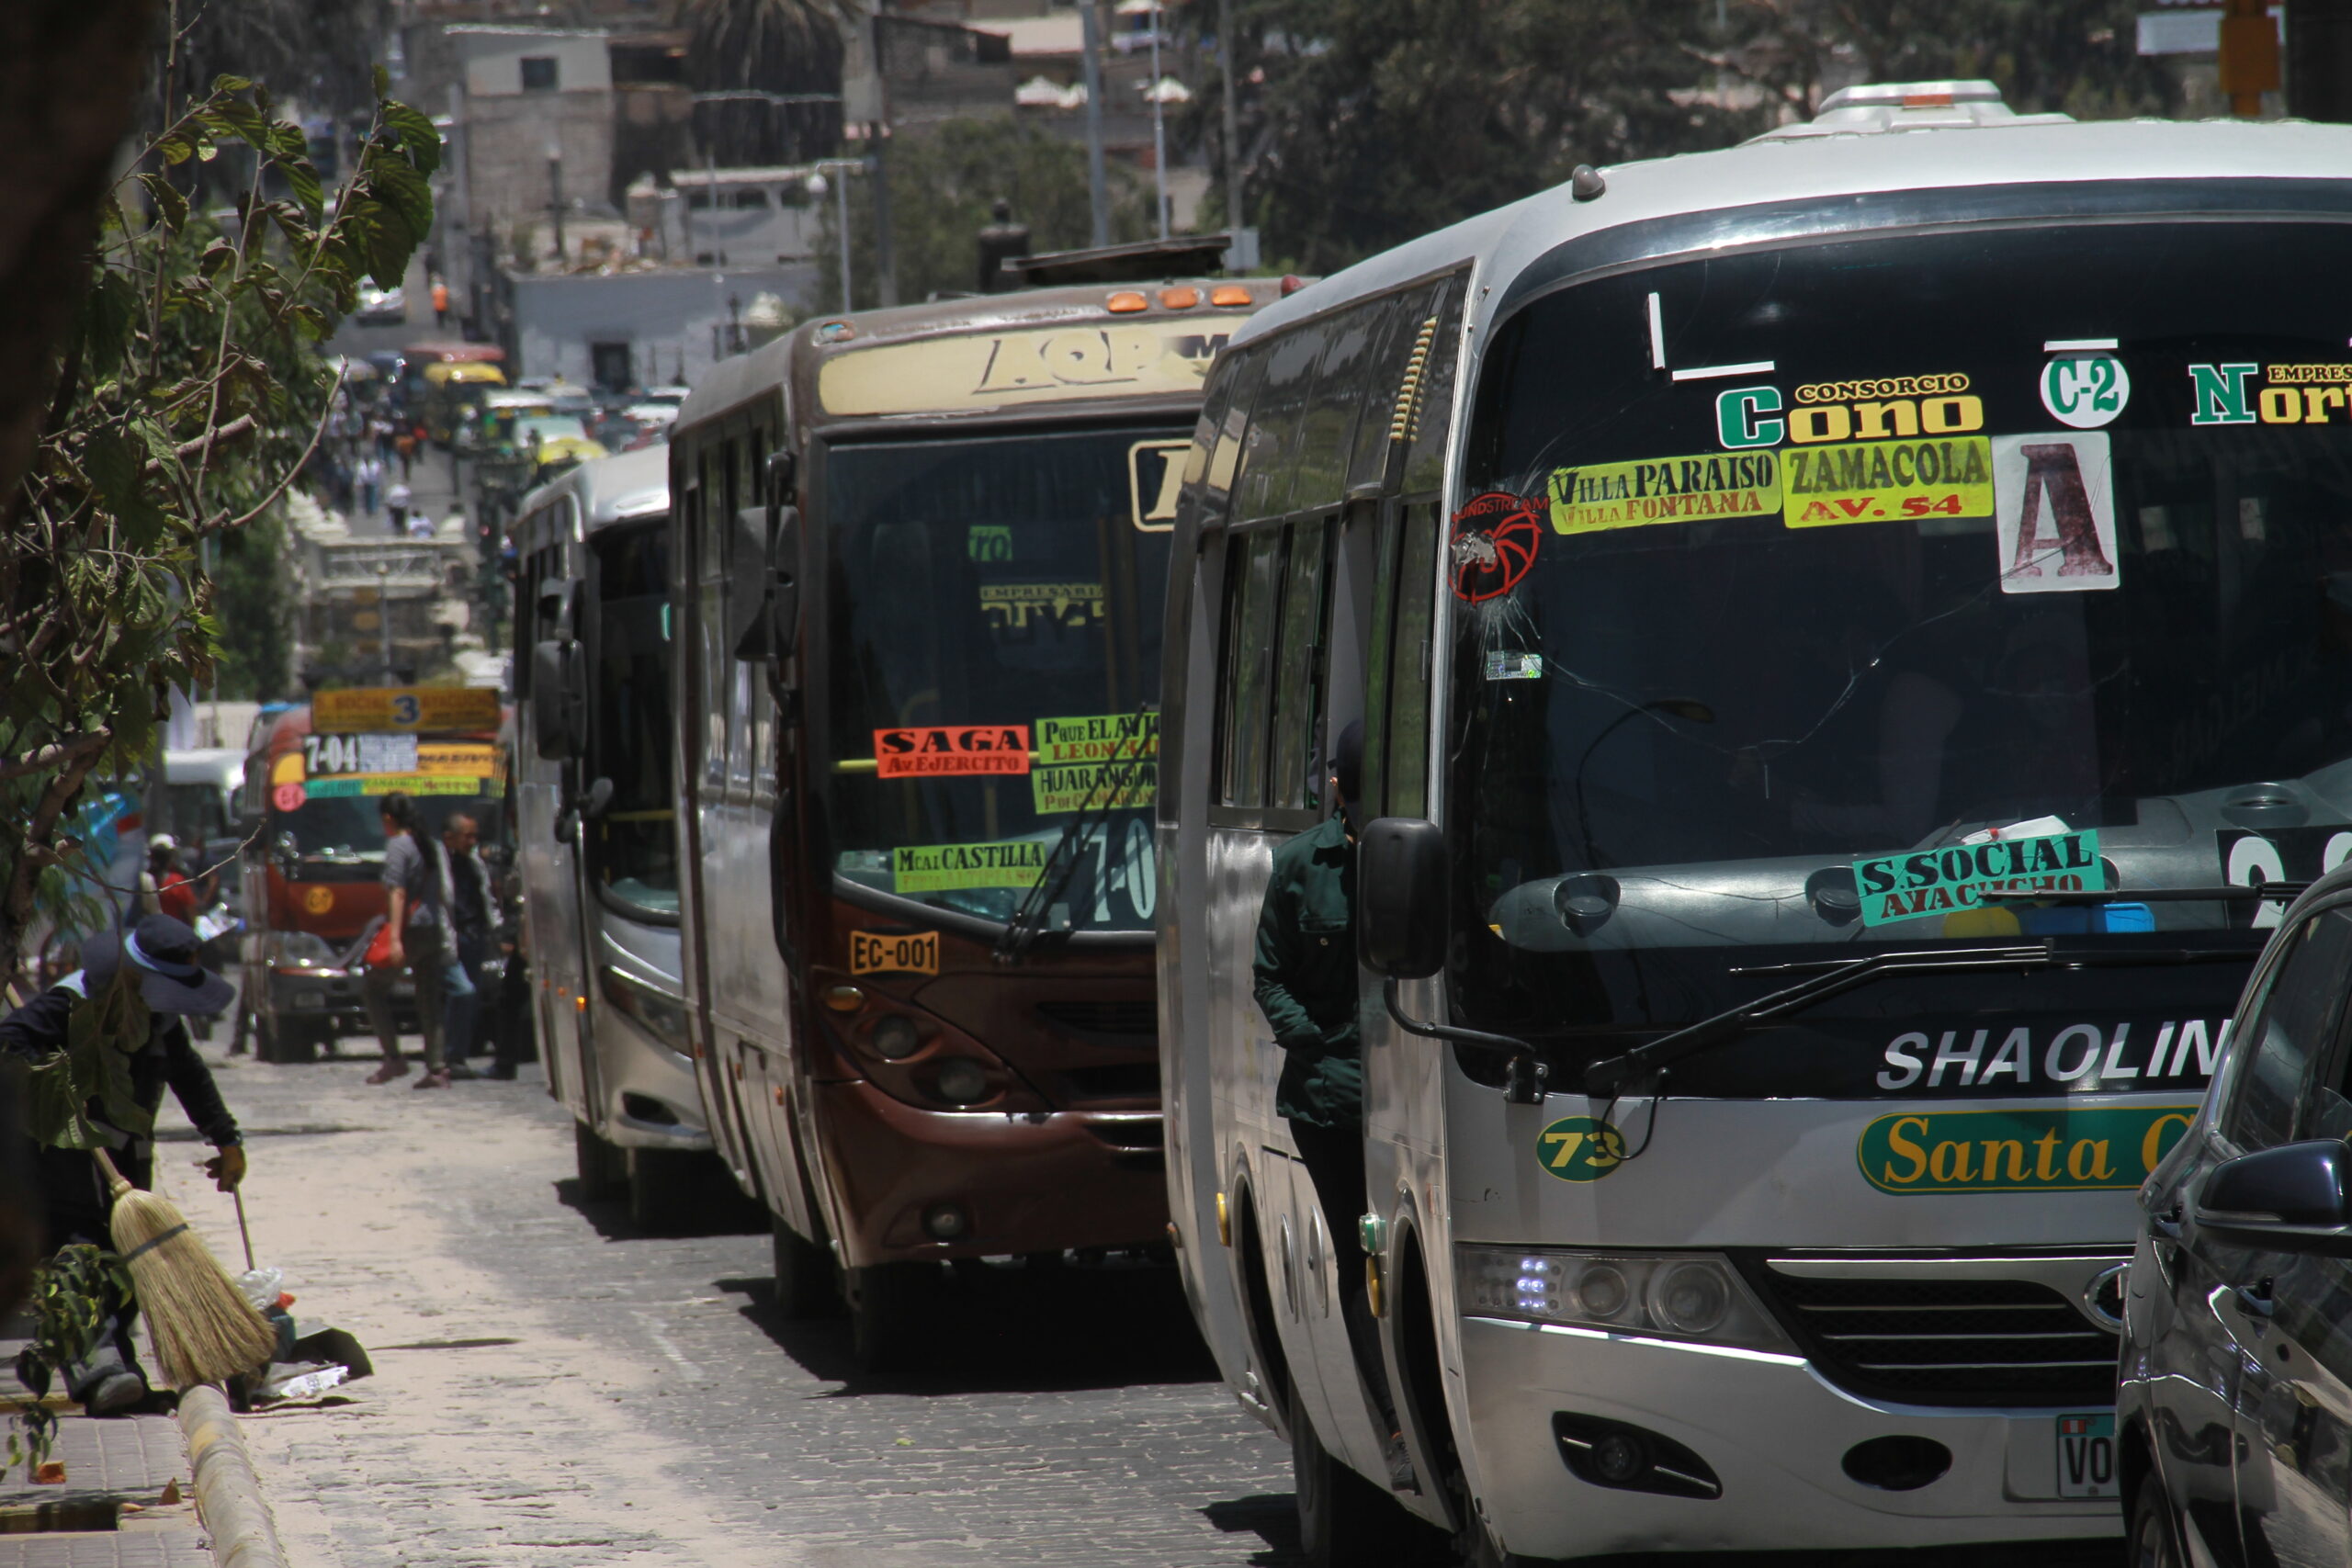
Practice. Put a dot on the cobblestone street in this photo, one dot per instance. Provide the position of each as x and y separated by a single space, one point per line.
553 1389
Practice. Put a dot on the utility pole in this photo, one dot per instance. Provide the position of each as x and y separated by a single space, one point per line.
1097 193
1233 219
1159 133
555 186
877 164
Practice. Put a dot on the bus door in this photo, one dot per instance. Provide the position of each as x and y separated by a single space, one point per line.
549 791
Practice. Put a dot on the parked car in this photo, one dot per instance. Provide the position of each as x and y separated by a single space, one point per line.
381 307
2233 1435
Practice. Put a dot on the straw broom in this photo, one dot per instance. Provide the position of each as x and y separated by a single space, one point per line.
203 1328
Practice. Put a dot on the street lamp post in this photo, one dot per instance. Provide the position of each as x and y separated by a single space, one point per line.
844 168
384 616
1159 131
555 190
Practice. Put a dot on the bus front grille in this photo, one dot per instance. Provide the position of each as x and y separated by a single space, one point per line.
1929 1332
1134 1021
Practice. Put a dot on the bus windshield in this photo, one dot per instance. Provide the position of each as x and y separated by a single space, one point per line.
1841 592
348 831
995 610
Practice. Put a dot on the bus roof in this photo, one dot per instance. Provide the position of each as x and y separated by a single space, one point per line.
619 488
1725 193
447 350
1161 349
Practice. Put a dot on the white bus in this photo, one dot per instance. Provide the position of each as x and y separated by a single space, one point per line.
595 831
1839 625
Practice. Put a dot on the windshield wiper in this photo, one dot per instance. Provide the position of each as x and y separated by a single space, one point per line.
2233 893
1025 925
1639 1071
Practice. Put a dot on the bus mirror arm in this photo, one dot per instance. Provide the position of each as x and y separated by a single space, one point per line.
1523 1076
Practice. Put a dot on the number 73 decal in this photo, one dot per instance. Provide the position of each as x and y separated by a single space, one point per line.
1577 1149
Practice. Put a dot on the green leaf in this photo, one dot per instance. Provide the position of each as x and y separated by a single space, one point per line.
109 313
303 181
225 83
383 81
398 184
171 207
176 148
219 254
417 135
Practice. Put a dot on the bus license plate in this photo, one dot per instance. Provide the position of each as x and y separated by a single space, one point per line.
2087 1456
879 953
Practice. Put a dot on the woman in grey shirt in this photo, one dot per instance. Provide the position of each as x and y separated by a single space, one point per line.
420 944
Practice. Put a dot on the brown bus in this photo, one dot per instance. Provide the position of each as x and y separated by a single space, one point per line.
918 564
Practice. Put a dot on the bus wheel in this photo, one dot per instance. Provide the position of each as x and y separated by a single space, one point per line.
667 1188
889 1306
602 1167
805 1285
1343 1519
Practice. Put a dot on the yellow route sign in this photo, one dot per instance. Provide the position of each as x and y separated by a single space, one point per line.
406 707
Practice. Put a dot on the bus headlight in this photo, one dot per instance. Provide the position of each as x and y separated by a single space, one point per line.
1676 1295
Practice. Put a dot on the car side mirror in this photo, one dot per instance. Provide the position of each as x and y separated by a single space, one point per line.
2295 1198
1401 867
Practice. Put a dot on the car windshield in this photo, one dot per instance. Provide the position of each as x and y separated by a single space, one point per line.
1844 584
994 645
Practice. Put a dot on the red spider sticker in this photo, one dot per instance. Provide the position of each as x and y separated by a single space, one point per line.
1494 539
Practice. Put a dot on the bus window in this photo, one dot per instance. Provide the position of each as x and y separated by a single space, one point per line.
1298 685
1394 326
1233 429
1383 643
1320 477
633 854
1433 399
1253 563
717 659
1408 738
1276 415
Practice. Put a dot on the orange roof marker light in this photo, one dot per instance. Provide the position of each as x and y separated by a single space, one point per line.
1228 294
1128 299
1180 299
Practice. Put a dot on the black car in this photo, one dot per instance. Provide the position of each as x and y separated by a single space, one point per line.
2234 1414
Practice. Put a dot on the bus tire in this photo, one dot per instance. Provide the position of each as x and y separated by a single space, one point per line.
666 1189
2150 1540
805 1284
1343 1519
889 1306
602 1169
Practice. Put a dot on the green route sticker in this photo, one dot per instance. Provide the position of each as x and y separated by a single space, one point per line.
1578 1148
945 868
1941 1153
1102 763
1943 882
1602 496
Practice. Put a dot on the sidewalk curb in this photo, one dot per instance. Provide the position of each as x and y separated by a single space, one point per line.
228 1488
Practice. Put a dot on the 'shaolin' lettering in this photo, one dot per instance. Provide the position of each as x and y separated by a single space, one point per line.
2075 1056
2056 527
947 750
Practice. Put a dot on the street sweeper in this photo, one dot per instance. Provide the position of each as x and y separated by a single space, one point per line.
157 956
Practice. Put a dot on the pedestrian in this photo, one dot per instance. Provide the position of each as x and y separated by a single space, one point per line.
412 889
396 502
405 445
470 906
420 525
1306 987
370 471
163 855
440 300
159 958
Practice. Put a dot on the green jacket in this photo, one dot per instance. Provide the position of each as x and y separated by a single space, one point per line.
1306 977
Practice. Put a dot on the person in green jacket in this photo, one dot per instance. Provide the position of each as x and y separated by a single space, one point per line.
1306 987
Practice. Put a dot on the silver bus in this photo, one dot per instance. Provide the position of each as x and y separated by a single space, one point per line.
1850 632
595 829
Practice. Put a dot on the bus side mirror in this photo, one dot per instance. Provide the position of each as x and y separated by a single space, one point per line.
1401 867
767 616
557 700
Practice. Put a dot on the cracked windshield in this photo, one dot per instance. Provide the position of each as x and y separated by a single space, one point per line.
1913 590
997 626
